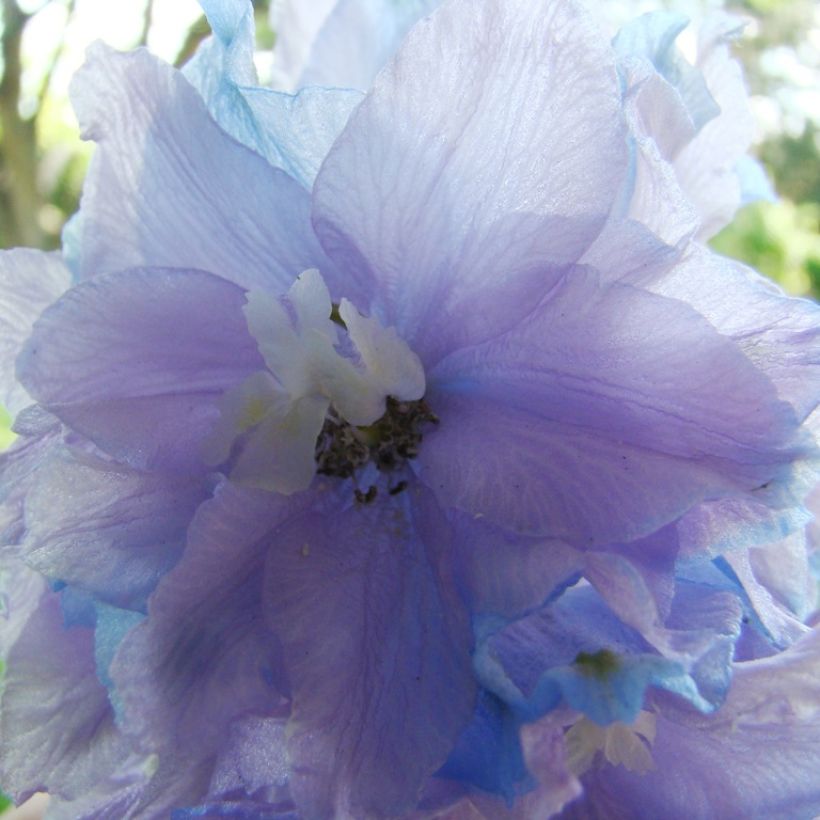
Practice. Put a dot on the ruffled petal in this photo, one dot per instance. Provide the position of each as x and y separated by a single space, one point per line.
605 416
292 132
575 651
137 361
377 651
757 756
30 281
169 188
706 167
780 334
456 218
57 724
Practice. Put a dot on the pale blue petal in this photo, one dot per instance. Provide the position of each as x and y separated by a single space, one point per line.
168 187
56 722
757 756
293 132
358 38
652 36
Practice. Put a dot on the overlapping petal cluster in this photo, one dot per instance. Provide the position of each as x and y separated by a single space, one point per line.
395 447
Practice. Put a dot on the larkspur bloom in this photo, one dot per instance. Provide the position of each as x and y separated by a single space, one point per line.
405 453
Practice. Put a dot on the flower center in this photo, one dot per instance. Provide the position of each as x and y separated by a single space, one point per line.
340 392
342 449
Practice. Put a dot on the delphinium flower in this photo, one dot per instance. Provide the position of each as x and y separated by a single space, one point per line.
393 452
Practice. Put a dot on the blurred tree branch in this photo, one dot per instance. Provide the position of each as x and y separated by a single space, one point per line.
20 199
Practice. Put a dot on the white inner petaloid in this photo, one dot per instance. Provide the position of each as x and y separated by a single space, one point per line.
284 407
627 745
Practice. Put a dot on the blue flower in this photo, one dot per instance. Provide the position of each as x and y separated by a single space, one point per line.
400 453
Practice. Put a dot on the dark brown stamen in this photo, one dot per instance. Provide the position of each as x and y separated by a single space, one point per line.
342 449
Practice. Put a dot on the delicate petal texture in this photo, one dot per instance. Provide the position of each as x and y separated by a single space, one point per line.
652 37
297 25
659 124
20 593
376 649
404 454
507 575
56 723
30 281
620 410
575 651
293 132
255 758
418 213
137 361
204 648
756 757
105 529
169 188
779 334
706 166
782 567
779 625
358 38
19 466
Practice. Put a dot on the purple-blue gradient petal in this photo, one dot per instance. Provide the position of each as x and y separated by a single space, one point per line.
594 528
756 757
204 649
376 648
604 416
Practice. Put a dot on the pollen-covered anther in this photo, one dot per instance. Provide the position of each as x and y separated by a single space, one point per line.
388 443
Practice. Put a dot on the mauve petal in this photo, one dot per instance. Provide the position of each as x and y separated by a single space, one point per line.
137 361
29 281
167 187
778 625
783 568
56 722
254 760
454 215
604 416
377 651
105 529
